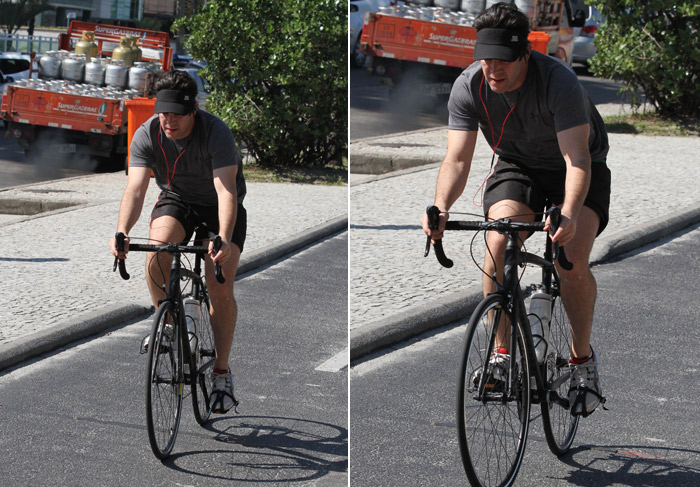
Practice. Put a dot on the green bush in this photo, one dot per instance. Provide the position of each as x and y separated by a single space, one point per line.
278 72
654 47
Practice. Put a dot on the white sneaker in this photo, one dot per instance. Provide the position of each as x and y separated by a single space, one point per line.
585 393
496 373
165 342
222 399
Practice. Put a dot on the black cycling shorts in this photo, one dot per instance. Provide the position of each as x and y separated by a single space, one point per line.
192 216
535 188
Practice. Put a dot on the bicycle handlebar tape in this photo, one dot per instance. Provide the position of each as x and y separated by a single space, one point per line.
440 254
433 213
217 267
122 266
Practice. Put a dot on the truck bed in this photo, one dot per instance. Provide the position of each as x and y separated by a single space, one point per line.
418 40
424 41
66 109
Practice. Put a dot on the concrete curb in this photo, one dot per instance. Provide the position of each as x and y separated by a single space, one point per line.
453 307
393 329
261 257
616 244
369 164
67 332
44 341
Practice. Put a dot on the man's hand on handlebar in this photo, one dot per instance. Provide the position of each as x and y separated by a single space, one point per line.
435 233
565 231
222 255
120 254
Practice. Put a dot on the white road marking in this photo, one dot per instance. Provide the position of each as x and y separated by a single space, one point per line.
336 363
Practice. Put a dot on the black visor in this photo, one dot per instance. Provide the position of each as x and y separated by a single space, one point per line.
174 101
502 44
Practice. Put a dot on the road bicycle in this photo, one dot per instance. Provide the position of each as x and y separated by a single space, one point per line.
180 346
495 391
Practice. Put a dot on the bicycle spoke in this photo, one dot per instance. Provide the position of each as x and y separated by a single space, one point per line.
204 362
493 422
559 425
163 387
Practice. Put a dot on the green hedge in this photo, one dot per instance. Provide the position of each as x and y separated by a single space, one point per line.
278 71
654 47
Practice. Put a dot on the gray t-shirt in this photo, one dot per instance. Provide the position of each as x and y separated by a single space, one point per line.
185 167
550 100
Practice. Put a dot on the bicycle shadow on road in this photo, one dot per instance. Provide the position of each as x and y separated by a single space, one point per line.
266 448
632 465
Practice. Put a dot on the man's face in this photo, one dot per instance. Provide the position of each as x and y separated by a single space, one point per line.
176 126
504 76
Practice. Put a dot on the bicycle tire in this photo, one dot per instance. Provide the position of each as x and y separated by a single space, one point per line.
203 363
492 431
163 386
559 425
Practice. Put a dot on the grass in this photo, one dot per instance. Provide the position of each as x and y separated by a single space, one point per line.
333 174
651 124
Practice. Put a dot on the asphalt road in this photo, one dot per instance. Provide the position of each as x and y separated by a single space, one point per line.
15 170
76 417
402 400
373 112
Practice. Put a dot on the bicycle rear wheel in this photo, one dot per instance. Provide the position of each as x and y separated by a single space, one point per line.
204 362
163 384
559 425
493 415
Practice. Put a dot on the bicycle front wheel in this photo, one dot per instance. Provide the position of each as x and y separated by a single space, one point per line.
204 362
163 382
493 399
559 425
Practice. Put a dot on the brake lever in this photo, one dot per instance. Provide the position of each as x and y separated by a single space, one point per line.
433 213
217 267
558 252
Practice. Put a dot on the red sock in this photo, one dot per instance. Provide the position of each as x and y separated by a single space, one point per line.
502 350
579 361
221 371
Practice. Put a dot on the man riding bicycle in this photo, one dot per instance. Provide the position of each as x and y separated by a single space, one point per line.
552 145
196 164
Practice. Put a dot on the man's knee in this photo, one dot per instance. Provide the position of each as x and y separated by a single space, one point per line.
221 292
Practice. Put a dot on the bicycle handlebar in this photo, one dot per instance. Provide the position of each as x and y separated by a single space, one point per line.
501 226
171 248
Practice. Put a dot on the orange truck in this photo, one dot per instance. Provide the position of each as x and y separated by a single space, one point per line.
431 46
59 117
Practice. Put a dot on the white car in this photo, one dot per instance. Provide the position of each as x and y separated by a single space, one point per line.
358 8
14 66
584 47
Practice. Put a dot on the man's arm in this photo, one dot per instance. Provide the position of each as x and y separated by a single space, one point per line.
131 205
225 184
573 144
453 175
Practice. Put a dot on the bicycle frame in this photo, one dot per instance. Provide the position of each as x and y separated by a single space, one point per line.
512 291
174 291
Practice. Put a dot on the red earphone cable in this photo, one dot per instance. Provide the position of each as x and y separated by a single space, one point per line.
480 190
168 176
